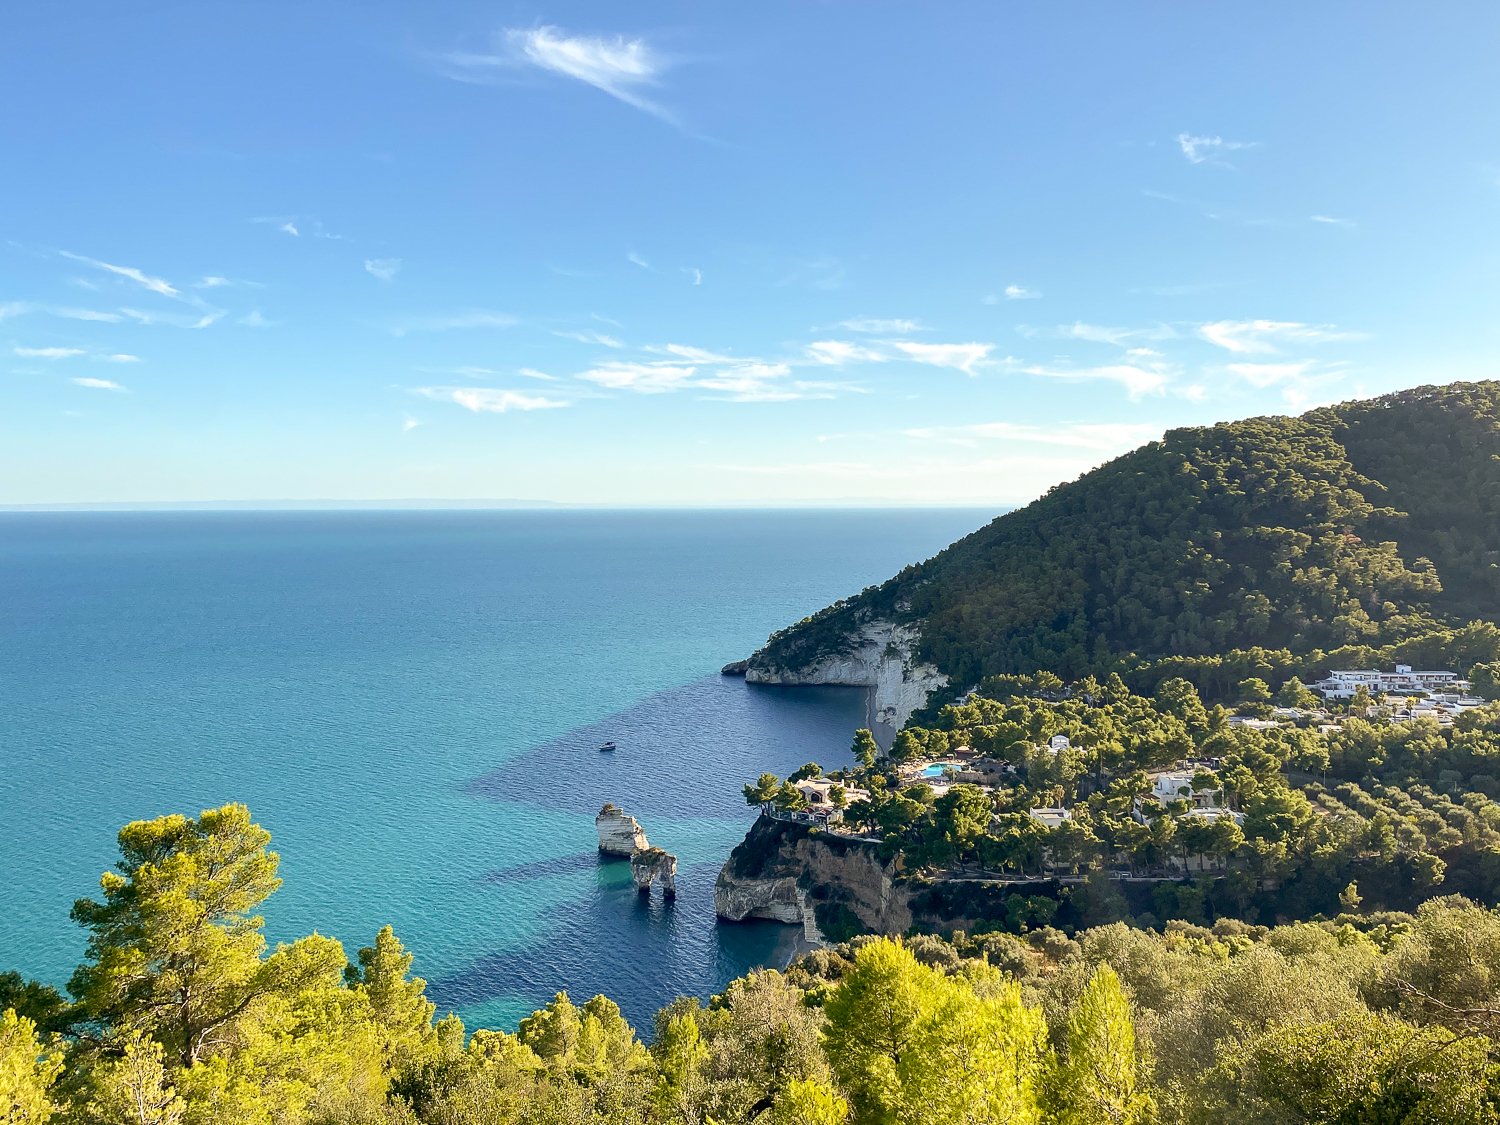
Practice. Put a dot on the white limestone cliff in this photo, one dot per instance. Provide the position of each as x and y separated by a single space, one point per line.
881 657
619 832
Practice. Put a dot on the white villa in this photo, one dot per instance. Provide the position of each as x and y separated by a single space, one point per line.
819 793
1343 684
1050 818
1177 785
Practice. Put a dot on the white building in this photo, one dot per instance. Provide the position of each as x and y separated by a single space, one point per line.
1050 818
1343 684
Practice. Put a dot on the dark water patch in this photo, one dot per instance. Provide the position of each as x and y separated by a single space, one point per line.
684 753
547 868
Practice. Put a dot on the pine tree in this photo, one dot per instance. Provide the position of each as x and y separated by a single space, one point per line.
1098 1081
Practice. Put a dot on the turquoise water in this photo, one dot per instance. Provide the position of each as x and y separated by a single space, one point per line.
937 769
412 703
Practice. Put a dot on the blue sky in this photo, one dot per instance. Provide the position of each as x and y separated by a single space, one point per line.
680 253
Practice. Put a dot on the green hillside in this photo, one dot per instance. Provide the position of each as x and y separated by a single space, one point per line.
1361 526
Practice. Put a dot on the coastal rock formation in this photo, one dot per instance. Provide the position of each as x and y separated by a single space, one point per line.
735 668
880 656
619 833
783 872
652 864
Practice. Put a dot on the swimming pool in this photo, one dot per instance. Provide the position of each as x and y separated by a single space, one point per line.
938 769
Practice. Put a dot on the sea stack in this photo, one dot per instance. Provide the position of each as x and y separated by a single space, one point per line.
651 864
619 833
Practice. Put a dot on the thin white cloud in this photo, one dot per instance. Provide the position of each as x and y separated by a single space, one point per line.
694 355
959 357
588 337
473 318
409 424
213 316
1104 437
98 384
289 227
155 284
492 400
1138 379
1020 293
1264 337
1264 375
637 260
625 69
620 67
383 269
1332 221
642 378
213 281
881 326
87 314
49 353
533 373
840 353
1210 150
695 273
120 357
1106 334
254 319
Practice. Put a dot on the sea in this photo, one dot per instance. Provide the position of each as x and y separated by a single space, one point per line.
412 703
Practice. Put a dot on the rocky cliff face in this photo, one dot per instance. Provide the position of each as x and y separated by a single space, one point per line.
653 865
880 655
785 873
619 832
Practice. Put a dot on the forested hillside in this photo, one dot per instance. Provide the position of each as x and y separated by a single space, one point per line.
181 1016
1359 527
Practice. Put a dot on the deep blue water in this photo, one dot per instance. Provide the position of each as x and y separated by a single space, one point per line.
412 703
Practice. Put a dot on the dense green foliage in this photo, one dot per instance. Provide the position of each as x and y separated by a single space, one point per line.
1403 811
1368 525
181 1017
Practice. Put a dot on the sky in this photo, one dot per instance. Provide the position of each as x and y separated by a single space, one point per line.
718 254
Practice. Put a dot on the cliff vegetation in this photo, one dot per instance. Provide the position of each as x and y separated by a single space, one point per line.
180 1014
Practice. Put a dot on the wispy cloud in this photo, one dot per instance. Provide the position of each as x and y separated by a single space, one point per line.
383 269
56 353
625 69
1210 150
1103 437
637 260
213 281
959 357
409 424
1264 375
472 318
881 326
254 319
296 226
1120 337
590 337
695 273
1138 379
1012 293
48 353
642 378
155 284
841 353
10 309
492 400
87 314
818 273
98 384
1264 337
1331 221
